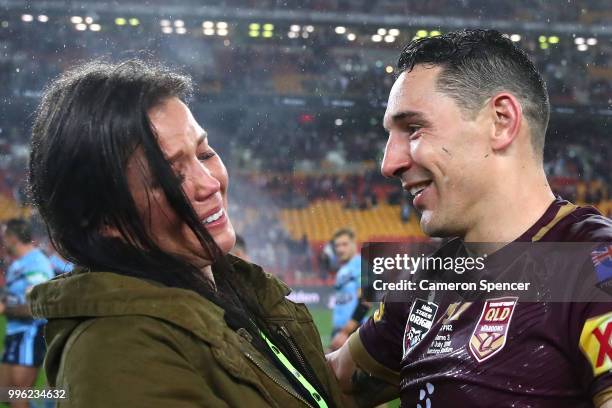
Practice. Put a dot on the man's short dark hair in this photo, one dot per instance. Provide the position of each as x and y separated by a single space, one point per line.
20 229
343 232
476 64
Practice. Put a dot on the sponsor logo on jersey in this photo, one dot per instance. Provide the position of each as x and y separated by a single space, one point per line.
595 342
420 319
490 333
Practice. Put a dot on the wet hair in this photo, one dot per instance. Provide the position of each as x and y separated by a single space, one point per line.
343 232
477 64
89 124
20 229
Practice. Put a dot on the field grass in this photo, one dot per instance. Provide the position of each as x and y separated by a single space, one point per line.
322 318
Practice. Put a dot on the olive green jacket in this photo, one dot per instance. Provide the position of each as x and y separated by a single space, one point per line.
117 341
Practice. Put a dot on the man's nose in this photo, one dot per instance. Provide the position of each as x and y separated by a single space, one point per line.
397 158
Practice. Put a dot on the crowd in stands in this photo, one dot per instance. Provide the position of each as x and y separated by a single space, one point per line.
289 158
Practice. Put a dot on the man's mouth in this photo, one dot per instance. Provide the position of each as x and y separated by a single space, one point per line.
417 189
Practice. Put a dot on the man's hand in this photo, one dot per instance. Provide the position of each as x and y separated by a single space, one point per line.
339 339
359 388
2 307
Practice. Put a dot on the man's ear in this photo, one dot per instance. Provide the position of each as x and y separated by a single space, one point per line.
507 118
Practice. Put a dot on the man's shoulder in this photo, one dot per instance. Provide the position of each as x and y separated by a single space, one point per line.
586 224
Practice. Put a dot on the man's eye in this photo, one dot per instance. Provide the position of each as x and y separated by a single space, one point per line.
206 155
412 130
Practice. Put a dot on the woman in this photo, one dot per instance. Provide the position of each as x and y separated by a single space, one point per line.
157 314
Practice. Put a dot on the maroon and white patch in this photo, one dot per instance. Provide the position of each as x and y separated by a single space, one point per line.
420 320
490 333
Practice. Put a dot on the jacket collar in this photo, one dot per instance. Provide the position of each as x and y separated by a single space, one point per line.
83 294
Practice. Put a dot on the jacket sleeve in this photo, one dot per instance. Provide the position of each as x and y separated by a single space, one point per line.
132 361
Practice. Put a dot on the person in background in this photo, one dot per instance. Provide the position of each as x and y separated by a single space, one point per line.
24 345
350 308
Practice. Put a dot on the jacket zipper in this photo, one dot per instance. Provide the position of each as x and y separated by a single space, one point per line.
277 382
296 351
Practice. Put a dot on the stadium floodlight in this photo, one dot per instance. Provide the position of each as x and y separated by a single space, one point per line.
222 25
134 21
394 32
120 21
254 26
253 33
544 45
435 33
421 33
515 37
579 41
81 27
179 23
76 19
208 24
88 20
389 38
43 18
381 31
267 34
292 34
553 39
167 30
163 23
309 28
351 37
181 30
591 41
542 39
389 69
295 28
27 18
95 27
582 47
209 31
268 27
376 38
305 34
222 32
338 122
340 30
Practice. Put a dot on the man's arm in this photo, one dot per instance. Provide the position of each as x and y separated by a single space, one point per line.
16 312
362 309
607 404
360 387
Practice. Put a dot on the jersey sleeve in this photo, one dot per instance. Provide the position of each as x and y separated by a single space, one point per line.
594 332
377 346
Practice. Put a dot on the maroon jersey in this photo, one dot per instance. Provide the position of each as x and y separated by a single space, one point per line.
498 352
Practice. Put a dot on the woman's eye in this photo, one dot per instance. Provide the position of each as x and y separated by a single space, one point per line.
206 155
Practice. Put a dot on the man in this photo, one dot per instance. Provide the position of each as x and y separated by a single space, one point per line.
350 308
24 345
466 118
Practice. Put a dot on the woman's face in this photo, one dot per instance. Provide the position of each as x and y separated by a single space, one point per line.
204 178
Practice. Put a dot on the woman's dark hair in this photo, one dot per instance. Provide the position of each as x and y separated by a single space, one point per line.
90 122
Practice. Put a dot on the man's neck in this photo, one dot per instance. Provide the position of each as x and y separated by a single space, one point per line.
23 249
512 210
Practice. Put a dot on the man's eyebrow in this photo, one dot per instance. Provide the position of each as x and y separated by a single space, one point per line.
201 139
404 115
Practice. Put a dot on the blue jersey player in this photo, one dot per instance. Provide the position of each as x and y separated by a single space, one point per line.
349 308
24 346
